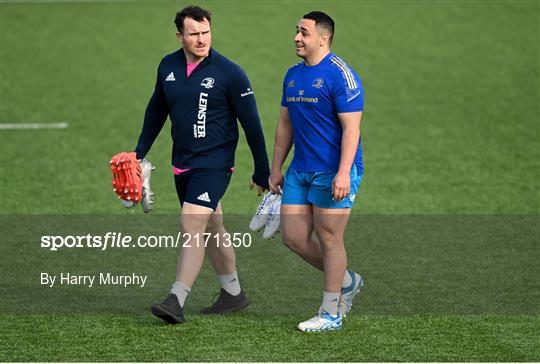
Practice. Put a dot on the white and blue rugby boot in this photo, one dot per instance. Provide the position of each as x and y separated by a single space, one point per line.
263 211
273 222
348 293
147 200
322 322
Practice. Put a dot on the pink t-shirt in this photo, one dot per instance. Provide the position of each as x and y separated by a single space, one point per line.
190 68
179 171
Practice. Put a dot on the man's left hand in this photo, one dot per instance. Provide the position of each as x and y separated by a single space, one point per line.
260 189
341 186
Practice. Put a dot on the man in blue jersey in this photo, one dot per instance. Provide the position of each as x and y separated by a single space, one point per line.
320 112
204 94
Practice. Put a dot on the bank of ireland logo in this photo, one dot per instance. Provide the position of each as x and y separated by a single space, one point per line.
352 196
208 82
301 92
318 83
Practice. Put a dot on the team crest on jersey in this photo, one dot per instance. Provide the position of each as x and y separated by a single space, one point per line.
291 83
208 82
318 83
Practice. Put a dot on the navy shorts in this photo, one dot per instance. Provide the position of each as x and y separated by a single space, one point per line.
202 186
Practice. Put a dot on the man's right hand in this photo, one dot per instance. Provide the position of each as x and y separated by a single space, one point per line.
275 181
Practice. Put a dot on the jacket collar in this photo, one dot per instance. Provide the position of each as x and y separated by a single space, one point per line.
207 60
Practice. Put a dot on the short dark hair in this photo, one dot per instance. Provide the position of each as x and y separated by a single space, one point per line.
192 11
322 20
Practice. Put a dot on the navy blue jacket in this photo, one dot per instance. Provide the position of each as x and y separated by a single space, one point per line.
203 109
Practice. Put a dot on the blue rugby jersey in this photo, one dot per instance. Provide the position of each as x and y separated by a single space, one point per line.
203 109
314 95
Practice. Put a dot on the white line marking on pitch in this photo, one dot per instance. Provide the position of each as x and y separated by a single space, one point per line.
71 1
7 126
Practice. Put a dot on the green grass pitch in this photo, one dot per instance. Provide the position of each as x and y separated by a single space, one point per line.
445 228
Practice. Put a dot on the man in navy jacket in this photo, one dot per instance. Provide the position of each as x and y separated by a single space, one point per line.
204 94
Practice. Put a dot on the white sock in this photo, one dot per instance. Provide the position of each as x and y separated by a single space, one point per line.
330 302
347 280
181 291
230 283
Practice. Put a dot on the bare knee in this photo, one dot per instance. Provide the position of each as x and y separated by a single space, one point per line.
325 239
214 225
295 243
330 227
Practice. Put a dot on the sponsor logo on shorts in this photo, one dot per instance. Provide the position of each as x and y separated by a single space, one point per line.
204 197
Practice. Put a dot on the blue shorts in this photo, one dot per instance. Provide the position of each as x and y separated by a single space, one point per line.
315 188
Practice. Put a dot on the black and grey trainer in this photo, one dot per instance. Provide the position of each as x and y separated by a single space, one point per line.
169 310
226 302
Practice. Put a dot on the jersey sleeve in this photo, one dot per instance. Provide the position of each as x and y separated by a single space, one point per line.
347 91
283 88
242 98
154 119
